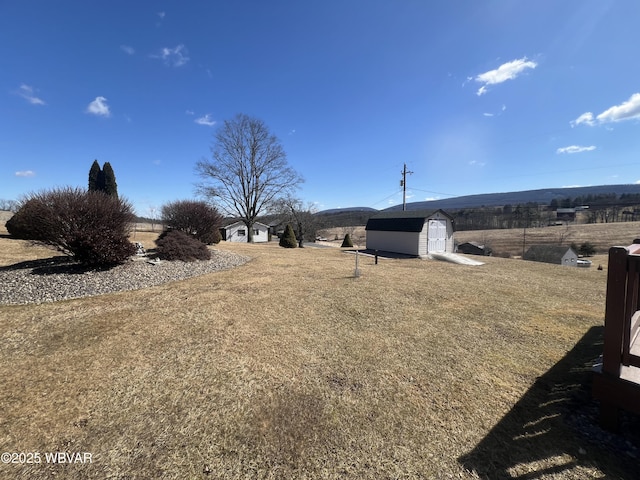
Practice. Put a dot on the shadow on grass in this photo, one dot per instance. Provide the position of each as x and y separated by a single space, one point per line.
554 427
49 266
381 253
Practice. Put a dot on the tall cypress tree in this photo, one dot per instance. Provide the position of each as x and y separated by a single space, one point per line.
103 179
94 177
110 185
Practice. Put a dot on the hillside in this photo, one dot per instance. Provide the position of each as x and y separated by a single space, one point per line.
342 217
542 196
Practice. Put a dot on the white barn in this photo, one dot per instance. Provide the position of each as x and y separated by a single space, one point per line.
411 232
237 232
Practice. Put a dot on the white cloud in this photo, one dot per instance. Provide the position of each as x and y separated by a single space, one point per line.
489 114
127 49
190 112
506 71
477 163
162 14
575 149
206 120
625 111
99 107
26 92
26 173
628 110
584 118
173 57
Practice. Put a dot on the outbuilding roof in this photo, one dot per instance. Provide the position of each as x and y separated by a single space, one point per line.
547 253
402 221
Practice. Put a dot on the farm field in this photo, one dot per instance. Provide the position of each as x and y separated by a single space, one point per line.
289 367
601 235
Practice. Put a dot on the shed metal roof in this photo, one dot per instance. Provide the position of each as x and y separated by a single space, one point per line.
403 221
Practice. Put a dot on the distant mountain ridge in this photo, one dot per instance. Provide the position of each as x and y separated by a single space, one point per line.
542 196
332 211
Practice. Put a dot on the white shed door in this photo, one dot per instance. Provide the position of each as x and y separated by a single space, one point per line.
437 235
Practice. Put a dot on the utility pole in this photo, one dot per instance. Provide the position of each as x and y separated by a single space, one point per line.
526 215
403 184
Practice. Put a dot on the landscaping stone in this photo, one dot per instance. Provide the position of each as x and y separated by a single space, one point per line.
59 278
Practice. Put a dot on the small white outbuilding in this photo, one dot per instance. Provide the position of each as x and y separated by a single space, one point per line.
237 232
414 232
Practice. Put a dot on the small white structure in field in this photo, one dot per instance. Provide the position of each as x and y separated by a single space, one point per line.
413 232
552 254
237 232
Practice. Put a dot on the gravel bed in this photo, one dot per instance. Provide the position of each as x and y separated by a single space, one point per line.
59 278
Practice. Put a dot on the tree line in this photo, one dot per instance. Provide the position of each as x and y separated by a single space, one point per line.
602 208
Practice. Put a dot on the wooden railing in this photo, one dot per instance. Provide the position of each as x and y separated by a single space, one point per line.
616 385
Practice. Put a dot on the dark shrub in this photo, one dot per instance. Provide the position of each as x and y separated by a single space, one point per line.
587 249
25 223
90 226
198 219
347 241
177 245
288 238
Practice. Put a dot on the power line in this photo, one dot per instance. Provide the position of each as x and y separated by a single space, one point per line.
437 193
386 198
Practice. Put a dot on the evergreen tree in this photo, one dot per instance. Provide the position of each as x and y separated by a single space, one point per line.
94 176
110 187
347 241
288 239
103 179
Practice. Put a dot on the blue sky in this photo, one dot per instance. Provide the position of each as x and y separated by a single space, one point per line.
474 96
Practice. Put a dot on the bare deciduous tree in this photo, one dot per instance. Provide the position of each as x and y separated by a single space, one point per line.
248 171
9 205
301 217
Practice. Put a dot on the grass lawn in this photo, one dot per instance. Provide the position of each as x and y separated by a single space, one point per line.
289 367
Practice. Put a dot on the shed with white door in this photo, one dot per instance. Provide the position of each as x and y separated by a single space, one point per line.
414 232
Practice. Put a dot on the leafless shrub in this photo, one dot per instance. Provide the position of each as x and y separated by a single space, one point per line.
196 218
177 245
90 226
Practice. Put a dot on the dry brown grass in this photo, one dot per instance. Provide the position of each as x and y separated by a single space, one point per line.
289 367
601 235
